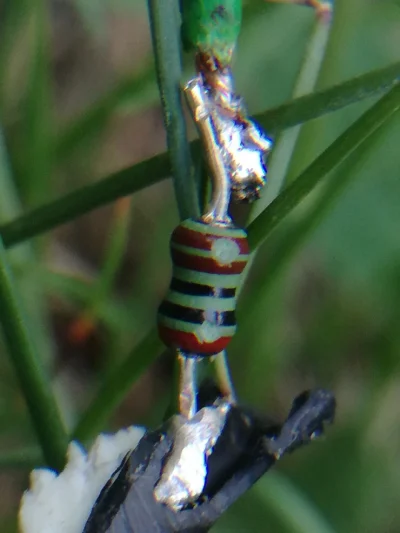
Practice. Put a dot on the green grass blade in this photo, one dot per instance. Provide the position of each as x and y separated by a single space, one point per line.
114 313
34 159
286 142
35 306
293 509
332 99
35 385
10 204
153 170
165 29
86 199
99 304
337 152
298 230
116 247
292 235
12 13
101 291
117 385
25 22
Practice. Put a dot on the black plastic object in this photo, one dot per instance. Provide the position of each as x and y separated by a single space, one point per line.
246 450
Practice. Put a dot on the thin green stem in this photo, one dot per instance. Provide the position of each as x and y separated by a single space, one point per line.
299 230
100 297
336 97
116 246
10 204
166 37
37 147
13 12
286 142
114 313
35 385
337 152
153 170
117 385
294 233
86 199
32 295
165 30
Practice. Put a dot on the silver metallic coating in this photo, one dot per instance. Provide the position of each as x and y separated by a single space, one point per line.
224 377
243 147
187 386
241 141
185 473
235 146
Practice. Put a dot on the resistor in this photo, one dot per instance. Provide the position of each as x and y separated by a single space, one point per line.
197 315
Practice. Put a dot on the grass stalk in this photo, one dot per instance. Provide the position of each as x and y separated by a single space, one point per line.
286 142
117 385
165 30
35 385
337 152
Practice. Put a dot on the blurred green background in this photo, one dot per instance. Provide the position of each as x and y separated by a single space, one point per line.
78 101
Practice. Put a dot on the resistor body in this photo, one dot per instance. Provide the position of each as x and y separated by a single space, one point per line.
197 315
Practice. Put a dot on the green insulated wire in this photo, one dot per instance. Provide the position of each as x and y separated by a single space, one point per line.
211 27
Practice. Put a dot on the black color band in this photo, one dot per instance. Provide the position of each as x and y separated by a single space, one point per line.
196 289
197 316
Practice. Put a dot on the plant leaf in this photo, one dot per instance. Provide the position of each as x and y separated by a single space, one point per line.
286 142
337 152
165 30
317 104
35 385
86 199
117 385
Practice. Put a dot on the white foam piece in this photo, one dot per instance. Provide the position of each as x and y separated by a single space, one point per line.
62 503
